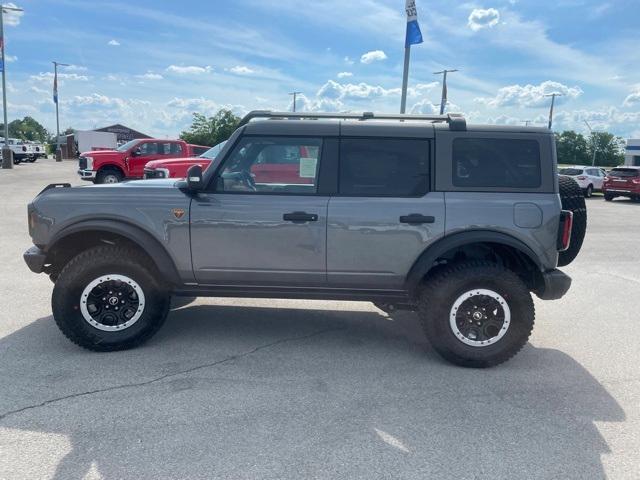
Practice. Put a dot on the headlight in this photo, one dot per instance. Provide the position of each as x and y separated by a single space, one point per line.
162 173
89 163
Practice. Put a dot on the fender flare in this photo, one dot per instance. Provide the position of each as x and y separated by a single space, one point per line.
145 240
425 261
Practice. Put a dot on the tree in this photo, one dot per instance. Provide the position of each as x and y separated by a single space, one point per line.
28 129
609 149
572 148
211 130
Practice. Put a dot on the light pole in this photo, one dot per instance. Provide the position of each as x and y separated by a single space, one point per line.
7 154
553 100
443 99
595 144
55 100
295 94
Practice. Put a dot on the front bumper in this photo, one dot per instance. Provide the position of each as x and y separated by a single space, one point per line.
555 285
87 174
35 258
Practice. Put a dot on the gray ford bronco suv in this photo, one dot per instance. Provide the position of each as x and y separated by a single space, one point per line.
460 223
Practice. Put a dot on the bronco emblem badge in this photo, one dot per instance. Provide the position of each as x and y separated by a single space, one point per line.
178 212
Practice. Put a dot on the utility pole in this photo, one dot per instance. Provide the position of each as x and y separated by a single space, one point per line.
553 100
55 100
295 94
7 154
443 99
594 140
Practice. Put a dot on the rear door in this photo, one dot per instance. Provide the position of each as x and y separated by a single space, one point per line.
262 231
383 215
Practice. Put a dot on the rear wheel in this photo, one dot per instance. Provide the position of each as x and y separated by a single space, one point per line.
109 175
572 199
588 193
476 314
108 298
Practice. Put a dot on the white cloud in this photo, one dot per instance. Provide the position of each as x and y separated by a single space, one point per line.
373 56
75 68
188 70
12 18
530 95
113 43
333 90
241 70
98 99
480 18
348 61
345 74
11 58
633 98
46 77
150 76
201 104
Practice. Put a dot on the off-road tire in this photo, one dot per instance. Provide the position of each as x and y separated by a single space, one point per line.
572 199
105 173
92 264
437 298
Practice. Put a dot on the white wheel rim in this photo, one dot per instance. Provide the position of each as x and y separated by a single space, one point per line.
454 318
110 179
113 301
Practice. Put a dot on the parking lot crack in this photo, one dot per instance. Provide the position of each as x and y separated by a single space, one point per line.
168 375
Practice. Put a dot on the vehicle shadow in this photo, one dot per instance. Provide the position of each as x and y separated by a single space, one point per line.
254 392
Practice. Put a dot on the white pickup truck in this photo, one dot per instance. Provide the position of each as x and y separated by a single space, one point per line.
22 151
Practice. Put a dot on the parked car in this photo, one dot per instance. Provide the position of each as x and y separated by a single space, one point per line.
590 179
128 160
37 150
177 167
459 223
22 151
281 162
622 182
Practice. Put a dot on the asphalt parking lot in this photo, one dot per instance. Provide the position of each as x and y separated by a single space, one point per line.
293 389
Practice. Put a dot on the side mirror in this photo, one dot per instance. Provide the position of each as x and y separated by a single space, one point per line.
194 178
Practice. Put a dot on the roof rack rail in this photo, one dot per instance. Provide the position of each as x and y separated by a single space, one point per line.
455 121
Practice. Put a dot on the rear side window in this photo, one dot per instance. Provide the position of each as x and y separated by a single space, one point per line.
570 171
496 162
383 167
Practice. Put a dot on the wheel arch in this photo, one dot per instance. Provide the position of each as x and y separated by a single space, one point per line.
510 250
112 166
80 236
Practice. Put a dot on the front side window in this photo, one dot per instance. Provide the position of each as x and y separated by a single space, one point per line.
383 167
496 162
148 148
272 165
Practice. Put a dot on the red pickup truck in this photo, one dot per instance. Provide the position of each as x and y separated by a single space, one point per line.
128 160
276 164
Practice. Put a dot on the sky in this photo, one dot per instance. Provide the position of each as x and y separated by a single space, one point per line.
150 64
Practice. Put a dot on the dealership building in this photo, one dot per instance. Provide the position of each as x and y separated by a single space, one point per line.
632 152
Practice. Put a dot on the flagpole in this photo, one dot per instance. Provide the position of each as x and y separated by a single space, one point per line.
7 154
405 78
55 100
412 36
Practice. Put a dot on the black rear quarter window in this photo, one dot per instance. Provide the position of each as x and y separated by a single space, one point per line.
496 162
624 172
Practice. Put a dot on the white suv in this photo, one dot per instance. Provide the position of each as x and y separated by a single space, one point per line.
589 178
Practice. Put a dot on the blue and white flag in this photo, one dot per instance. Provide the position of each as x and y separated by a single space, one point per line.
414 35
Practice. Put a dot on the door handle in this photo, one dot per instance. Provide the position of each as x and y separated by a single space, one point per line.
416 218
300 217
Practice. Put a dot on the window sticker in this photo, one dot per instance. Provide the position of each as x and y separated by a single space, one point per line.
308 167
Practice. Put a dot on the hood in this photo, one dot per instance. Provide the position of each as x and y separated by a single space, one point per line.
178 161
101 153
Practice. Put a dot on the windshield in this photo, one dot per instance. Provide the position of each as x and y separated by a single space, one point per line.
624 172
571 171
126 146
213 152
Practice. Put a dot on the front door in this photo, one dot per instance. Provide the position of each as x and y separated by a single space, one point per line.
151 150
259 230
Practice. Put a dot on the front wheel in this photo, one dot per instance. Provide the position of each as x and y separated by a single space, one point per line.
608 197
476 314
108 298
108 175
